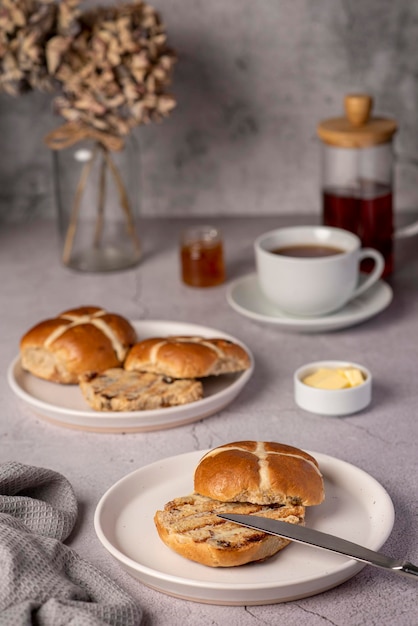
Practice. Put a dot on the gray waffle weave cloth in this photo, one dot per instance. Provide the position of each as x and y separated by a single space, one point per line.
43 581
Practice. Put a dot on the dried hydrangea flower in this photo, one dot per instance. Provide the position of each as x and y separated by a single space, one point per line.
114 72
26 26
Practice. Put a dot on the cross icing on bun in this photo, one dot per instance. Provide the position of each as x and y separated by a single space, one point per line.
80 340
261 473
187 357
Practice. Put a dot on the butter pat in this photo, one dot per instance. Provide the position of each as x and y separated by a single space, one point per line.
353 375
332 379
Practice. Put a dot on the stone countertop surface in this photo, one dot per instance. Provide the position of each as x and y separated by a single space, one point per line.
382 440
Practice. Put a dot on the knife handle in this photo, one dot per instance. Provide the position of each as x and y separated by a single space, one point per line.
408 569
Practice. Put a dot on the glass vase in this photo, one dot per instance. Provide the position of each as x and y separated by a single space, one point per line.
97 198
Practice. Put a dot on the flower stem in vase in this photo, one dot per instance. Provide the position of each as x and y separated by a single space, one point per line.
101 203
72 228
123 198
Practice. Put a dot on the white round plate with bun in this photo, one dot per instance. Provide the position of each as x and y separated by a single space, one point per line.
356 507
64 405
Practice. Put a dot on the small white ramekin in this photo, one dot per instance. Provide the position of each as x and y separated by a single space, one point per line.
332 401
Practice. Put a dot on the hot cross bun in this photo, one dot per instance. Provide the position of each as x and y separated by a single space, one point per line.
261 473
187 357
79 340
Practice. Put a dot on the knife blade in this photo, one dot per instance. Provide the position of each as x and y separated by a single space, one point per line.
318 539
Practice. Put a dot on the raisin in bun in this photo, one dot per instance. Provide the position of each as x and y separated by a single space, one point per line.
261 473
79 340
187 357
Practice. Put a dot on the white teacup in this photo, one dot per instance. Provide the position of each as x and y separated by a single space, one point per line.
315 285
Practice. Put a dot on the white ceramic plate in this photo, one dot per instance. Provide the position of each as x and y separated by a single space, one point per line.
356 507
65 405
245 296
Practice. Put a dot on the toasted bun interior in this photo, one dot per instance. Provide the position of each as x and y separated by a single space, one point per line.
191 527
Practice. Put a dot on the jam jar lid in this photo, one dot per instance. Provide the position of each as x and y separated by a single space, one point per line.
357 129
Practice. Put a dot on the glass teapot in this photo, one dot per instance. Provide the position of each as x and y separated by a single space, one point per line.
357 176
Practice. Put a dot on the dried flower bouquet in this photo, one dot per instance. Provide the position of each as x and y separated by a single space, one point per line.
110 66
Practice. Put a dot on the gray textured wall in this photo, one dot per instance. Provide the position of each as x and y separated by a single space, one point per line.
252 81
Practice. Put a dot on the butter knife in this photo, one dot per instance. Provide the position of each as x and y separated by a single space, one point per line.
318 539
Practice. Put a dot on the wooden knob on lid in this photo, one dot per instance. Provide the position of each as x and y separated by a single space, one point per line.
358 108
357 129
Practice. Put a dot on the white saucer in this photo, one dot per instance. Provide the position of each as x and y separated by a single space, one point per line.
245 296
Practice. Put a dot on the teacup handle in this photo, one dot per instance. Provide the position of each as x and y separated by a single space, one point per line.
379 265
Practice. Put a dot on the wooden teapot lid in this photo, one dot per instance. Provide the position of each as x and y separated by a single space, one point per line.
357 129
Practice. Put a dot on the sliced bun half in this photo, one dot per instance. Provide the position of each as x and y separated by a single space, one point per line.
187 357
191 527
261 473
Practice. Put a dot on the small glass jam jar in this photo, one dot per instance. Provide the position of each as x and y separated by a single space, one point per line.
202 258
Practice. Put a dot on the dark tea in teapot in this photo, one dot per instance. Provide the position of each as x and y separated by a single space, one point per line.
368 213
